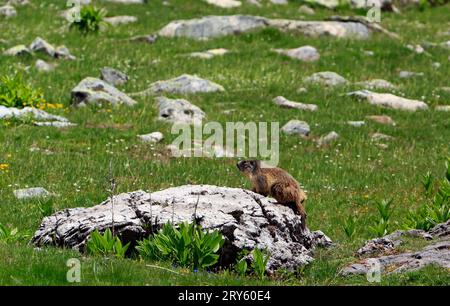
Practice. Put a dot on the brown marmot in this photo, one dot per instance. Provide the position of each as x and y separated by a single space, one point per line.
277 183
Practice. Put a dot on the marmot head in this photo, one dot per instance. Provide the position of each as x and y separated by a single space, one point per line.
248 166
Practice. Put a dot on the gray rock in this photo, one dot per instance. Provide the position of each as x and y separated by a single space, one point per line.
208 54
246 220
279 2
29 193
7 11
179 111
304 9
356 123
326 78
184 84
152 137
95 91
283 102
296 127
40 45
43 66
305 53
225 3
63 52
57 124
389 100
17 2
382 119
441 230
120 20
410 74
377 84
435 254
113 76
19 50
36 114
381 137
216 26
330 137
376 245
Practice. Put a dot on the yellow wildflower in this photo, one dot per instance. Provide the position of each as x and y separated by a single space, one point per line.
4 167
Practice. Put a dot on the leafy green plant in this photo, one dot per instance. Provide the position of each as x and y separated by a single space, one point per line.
349 227
427 183
188 245
10 235
259 263
241 267
381 226
14 92
45 207
106 244
91 20
435 210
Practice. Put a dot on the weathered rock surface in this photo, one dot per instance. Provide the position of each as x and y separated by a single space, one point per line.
18 50
283 102
296 127
246 220
215 26
225 3
208 54
410 74
152 137
30 112
377 84
29 193
40 45
95 91
381 137
382 119
326 78
304 9
179 111
7 11
184 84
389 100
330 137
305 53
356 123
436 253
113 76
43 66
149 39
119 20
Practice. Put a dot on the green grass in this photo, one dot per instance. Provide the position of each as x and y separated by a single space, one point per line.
345 178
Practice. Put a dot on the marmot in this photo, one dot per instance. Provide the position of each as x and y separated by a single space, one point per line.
277 183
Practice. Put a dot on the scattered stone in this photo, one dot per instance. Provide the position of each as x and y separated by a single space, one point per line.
304 9
29 193
279 2
150 39
57 124
40 45
246 219
208 54
184 84
369 53
416 48
43 66
225 3
442 108
381 137
17 2
331 136
179 111
296 127
383 119
7 11
330 4
95 91
283 102
437 65
305 53
19 50
389 100
410 74
113 77
152 137
63 52
120 20
326 78
377 84
36 114
356 123
216 26
377 245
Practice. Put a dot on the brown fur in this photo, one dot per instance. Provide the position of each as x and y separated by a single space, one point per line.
275 182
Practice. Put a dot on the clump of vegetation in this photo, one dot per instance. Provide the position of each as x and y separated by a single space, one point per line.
45 207
187 246
349 227
106 245
91 20
14 92
259 263
381 227
10 235
437 208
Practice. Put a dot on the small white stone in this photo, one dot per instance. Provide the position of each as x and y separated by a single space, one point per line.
152 137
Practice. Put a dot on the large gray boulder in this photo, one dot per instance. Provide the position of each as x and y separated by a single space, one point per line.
95 91
304 53
179 111
184 84
246 220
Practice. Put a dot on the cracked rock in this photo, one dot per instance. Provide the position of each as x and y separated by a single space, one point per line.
179 111
246 220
